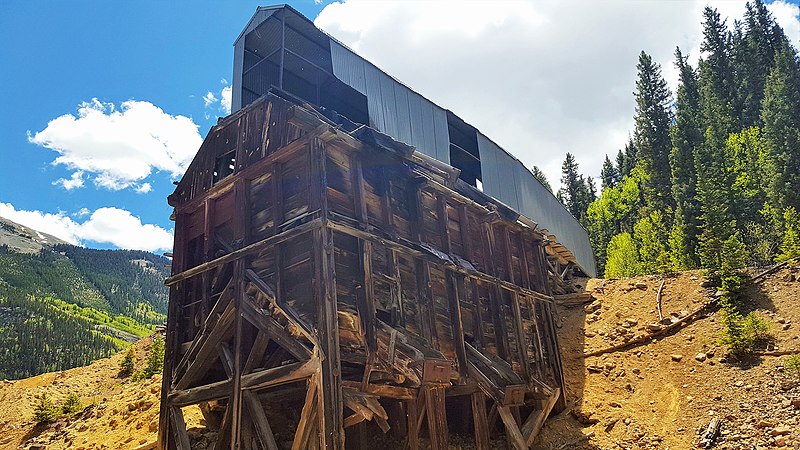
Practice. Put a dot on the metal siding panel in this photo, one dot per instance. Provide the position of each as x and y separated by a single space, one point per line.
415 115
374 101
541 206
402 113
238 66
428 129
441 136
490 170
348 67
387 98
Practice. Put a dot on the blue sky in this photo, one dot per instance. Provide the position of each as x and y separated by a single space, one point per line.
60 54
554 76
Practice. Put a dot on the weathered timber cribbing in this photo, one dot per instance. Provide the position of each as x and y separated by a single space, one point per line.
328 285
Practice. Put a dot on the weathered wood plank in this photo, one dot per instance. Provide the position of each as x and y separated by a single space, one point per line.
260 422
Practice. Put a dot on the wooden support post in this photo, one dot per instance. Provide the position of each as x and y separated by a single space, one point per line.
425 298
480 421
455 290
330 415
366 298
260 422
437 416
307 417
236 395
179 428
412 415
513 432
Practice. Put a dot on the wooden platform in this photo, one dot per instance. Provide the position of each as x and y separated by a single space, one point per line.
327 283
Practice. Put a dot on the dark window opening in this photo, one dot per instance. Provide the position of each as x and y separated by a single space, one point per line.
464 152
224 166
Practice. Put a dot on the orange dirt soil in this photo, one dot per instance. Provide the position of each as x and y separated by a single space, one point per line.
660 394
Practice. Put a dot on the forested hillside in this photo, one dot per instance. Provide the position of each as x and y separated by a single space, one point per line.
65 306
711 175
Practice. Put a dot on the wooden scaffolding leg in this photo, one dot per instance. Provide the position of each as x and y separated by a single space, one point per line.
437 416
480 420
331 404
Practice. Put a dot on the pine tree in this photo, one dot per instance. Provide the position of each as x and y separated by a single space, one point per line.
754 57
780 114
713 175
574 192
790 247
609 176
687 137
651 133
539 175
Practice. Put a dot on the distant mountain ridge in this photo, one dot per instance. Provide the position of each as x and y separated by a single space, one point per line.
62 305
23 239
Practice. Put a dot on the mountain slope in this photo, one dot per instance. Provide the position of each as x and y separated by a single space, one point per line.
62 306
22 239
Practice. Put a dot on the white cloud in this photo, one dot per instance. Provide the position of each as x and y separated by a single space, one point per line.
541 78
121 147
225 99
144 188
209 99
114 226
75 181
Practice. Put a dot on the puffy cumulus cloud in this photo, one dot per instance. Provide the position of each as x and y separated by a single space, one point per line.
541 78
225 99
73 182
121 147
209 99
114 226
221 104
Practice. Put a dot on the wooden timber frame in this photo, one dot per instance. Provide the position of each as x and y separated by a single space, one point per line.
329 283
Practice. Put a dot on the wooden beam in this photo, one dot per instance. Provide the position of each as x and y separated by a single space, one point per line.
207 351
455 287
275 331
284 309
383 390
480 421
256 352
535 422
289 373
307 417
179 428
513 433
437 416
242 252
330 415
412 438
260 422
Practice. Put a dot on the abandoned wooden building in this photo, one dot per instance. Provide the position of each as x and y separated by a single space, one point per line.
333 285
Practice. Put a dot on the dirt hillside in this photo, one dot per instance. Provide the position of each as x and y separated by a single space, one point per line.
664 393
660 394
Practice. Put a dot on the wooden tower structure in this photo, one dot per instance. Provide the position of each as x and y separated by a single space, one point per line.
329 280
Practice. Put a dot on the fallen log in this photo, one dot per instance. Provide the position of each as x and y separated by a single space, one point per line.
644 337
658 300
793 351
774 269
711 433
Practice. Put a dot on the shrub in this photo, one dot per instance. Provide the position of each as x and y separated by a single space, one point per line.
758 327
792 365
72 404
45 410
126 367
155 360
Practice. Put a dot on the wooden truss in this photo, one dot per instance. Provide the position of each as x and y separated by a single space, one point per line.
329 282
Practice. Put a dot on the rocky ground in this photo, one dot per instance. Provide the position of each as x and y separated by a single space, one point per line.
663 393
660 394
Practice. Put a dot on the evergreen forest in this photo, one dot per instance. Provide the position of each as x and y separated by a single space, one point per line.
66 306
710 177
